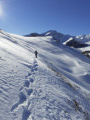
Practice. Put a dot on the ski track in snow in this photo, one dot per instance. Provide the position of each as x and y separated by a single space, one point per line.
25 92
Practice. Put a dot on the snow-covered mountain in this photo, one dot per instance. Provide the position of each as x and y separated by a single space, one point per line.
59 37
54 86
81 42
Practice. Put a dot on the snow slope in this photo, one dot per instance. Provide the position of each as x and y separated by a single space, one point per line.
55 86
82 42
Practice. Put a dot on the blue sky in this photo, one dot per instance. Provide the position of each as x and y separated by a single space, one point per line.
27 16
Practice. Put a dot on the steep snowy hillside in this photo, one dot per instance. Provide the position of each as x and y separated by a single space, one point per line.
82 43
54 86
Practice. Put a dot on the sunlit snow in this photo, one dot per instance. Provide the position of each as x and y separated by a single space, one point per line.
54 86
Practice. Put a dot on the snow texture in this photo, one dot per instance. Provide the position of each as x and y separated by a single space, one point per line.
54 86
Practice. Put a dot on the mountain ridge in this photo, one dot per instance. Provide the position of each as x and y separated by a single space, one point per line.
81 42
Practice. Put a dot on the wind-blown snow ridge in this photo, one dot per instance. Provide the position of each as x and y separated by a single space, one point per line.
55 86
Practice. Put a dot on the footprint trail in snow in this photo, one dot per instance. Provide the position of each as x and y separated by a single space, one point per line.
25 92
